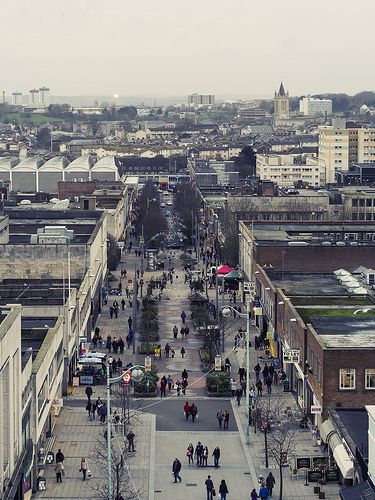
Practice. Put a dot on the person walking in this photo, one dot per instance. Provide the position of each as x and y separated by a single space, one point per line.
254 494
216 455
121 345
265 372
88 392
176 467
59 456
233 387
178 388
187 410
130 437
89 409
227 365
220 416
193 412
108 343
130 322
169 382
184 374
175 331
182 351
59 470
257 370
226 419
269 384
223 490
263 492
84 468
198 453
123 303
111 311
259 387
238 396
103 412
93 410
163 384
183 317
190 453
209 488
241 373
167 349
270 483
184 385
205 456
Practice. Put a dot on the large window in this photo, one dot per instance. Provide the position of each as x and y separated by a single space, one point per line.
370 378
347 379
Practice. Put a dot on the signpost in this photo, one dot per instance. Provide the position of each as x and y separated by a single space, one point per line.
316 409
148 363
127 378
217 363
291 355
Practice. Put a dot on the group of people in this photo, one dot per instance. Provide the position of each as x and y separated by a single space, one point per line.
115 345
190 410
179 386
266 487
223 419
60 471
200 454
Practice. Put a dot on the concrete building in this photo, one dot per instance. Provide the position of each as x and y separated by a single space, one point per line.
358 174
281 100
50 173
287 170
306 246
310 106
44 97
34 98
24 176
198 100
340 148
202 175
17 98
227 175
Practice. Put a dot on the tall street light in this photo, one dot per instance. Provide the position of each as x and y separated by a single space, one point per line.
137 375
227 312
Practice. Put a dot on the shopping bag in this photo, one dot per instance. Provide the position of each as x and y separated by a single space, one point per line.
88 473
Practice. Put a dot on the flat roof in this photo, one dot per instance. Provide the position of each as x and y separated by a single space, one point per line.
35 292
34 331
341 332
356 424
306 283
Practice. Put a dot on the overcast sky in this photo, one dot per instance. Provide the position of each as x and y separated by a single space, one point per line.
175 47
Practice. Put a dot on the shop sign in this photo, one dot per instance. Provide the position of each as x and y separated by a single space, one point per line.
291 356
217 363
148 363
316 409
86 380
258 311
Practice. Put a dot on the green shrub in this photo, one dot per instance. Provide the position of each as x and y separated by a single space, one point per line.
152 379
147 348
218 382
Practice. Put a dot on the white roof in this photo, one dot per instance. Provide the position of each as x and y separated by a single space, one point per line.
8 163
105 164
56 163
80 164
29 164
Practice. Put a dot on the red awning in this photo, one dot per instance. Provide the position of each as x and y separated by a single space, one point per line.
224 269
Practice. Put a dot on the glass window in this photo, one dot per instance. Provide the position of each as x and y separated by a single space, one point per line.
347 379
369 216
368 202
362 202
370 378
355 202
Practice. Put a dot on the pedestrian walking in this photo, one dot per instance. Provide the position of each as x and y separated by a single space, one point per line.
89 409
233 387
269 384
123 304
93 410
253 494
259 387
190 453
111 311
241 373
220 416
193 412
121 345
59 456
88 392
198 453
182 351
187 410
227 365
167 349
103 412
84 468
163 385
184 374
115 345
183 317
175 331
130 437
210 488
176 467
115 310
130 322
216 455
238 396
226 419
169 382
265 372
270 483
223 490
263 492
257 370
108 343
184 385
205 456
178 388
59 471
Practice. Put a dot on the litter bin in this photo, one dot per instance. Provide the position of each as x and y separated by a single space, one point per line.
41 483
286 385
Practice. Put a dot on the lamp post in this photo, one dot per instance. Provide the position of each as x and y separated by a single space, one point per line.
137 375
227 311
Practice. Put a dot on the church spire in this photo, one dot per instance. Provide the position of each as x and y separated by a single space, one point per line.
281 90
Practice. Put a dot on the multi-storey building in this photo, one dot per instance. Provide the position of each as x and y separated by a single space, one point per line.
34 97
17 98
310 106
287 170
196 100
44 97
340 148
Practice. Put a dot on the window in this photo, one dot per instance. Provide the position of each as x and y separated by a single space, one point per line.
370 378
368 202
347 379
355 202
362 202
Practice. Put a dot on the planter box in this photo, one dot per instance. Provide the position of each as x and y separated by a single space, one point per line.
218 394
322 494
316 489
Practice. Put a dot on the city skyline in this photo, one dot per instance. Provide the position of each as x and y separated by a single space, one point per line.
172 49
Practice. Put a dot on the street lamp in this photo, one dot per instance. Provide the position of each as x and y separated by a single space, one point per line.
227 312
137 375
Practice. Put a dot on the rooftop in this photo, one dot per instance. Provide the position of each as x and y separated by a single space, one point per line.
35 292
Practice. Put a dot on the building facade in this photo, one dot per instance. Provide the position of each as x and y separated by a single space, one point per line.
281 101
310 106
287 170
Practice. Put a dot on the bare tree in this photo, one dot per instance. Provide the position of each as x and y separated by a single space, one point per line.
279 423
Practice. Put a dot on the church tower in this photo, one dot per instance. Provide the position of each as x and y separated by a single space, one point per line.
281 104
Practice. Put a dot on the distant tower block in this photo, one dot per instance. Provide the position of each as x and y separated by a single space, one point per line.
44 97
34 97
17 98
281 104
